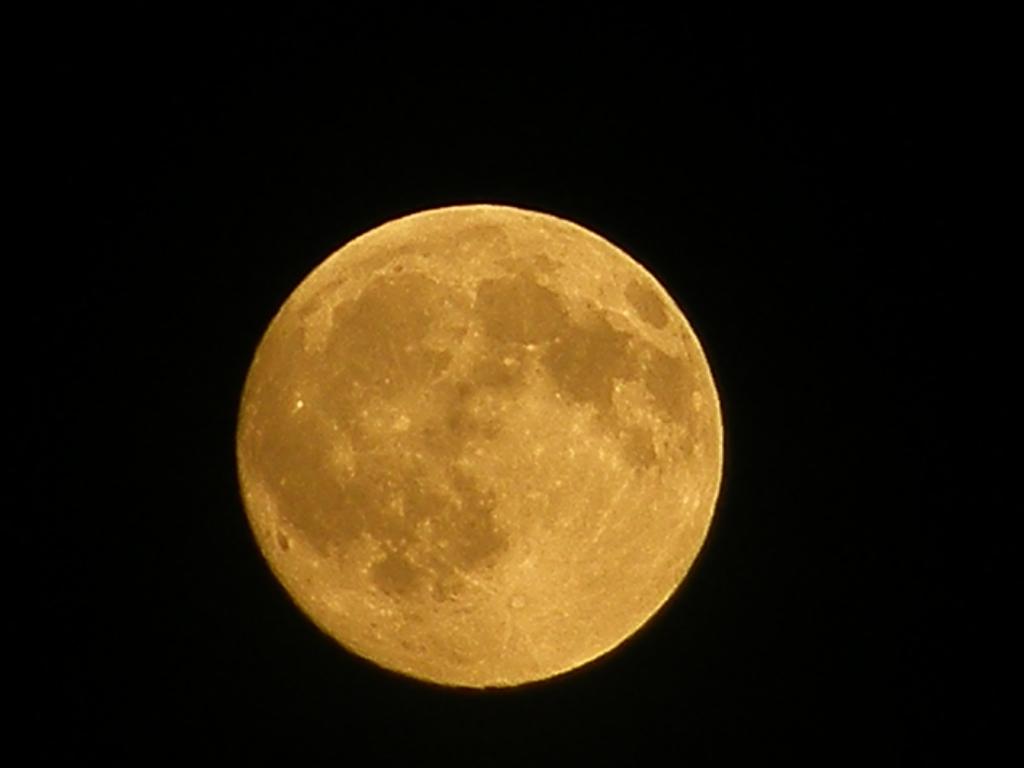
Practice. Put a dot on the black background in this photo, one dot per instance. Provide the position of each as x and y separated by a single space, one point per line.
789 179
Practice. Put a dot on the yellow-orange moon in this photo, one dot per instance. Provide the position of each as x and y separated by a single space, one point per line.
479 445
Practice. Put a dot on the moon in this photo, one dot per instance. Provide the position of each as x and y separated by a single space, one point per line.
479 446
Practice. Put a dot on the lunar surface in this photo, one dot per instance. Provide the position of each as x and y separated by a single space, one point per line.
479 446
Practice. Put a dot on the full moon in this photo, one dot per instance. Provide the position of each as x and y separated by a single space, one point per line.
479 446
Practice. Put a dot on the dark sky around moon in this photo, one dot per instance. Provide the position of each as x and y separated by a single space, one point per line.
790 180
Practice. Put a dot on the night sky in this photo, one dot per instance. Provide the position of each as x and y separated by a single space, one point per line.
791 182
